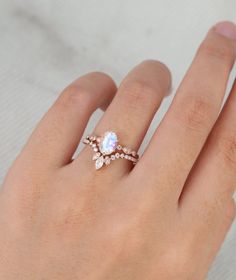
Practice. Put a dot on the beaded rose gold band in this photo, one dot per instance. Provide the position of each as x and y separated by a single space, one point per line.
107 149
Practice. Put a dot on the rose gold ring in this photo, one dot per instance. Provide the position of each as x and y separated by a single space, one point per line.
108 149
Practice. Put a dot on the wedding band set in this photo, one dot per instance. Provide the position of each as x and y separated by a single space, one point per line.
107 149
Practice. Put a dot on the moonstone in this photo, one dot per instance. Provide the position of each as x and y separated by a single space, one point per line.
108 143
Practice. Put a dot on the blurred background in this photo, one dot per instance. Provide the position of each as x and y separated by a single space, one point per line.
46 44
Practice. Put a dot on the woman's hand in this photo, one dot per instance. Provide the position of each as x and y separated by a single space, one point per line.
164 218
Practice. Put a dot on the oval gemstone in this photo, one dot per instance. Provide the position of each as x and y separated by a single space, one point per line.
108 143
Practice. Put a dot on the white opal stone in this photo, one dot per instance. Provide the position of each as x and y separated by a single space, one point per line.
108 143
99 162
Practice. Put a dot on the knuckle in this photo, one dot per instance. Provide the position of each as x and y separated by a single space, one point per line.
230 212
227 149
197 115
217 50
138 94
221 206
75 95
176 262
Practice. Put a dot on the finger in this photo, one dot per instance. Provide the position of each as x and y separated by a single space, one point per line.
214 175
132 110
207 198
54 141
183 131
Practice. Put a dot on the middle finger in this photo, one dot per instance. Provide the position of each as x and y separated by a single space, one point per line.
185 128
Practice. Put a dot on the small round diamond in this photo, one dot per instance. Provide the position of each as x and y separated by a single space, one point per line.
122 155
96 156
113 157
117 155
107 160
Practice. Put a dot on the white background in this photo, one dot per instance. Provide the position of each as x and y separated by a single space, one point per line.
45 44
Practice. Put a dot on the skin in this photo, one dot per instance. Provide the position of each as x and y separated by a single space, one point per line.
167 217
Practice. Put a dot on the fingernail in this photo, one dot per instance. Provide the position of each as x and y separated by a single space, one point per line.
226 29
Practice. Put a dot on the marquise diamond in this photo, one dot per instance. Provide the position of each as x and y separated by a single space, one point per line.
99 163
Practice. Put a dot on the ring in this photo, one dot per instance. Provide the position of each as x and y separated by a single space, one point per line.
108 149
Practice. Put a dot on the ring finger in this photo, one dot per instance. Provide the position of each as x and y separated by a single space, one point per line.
132 110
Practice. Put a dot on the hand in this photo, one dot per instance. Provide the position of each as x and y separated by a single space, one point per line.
164 218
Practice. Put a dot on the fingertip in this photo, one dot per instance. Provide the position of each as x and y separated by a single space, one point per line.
226 29
105 82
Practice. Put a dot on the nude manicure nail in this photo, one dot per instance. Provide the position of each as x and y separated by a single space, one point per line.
226 29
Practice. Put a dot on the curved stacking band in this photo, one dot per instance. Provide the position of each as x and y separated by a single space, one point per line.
107 149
